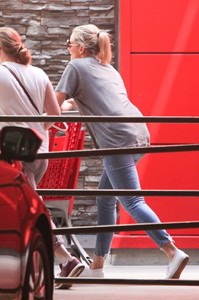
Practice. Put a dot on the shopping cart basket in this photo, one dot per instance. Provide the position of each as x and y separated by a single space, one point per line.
63 174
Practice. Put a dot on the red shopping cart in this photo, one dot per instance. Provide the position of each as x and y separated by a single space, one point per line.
63 174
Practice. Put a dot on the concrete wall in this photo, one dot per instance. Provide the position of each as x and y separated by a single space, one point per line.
45 26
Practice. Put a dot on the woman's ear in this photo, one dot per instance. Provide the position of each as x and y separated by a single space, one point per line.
81 49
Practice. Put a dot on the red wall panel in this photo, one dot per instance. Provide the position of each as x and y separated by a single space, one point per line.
168 25
159 62
167 85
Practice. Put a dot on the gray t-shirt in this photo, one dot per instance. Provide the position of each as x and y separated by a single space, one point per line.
98 90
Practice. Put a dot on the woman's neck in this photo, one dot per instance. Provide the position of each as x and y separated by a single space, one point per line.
5 58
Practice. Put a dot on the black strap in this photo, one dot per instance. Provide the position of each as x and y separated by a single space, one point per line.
25 91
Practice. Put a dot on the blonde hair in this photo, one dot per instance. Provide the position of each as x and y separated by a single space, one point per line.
96 41
12 45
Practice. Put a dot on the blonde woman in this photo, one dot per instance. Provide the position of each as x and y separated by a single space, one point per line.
97 89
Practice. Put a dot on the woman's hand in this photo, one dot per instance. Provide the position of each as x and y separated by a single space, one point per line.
68 105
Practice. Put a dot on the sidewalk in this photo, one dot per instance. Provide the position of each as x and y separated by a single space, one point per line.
133 291
149 264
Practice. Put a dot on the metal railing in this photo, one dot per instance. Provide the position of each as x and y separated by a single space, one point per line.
72 117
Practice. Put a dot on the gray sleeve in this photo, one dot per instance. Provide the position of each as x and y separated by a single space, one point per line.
68 82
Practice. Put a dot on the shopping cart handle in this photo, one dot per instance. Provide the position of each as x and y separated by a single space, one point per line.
60 128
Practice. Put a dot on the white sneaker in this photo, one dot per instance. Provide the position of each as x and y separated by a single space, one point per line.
177 265
99 273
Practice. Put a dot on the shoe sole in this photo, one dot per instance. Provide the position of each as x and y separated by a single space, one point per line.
74 273
183 264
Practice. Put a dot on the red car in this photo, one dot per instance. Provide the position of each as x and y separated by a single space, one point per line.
26 251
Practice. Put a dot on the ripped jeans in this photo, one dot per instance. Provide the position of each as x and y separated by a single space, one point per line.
120 173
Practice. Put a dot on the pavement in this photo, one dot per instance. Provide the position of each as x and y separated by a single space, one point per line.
134 274
147 283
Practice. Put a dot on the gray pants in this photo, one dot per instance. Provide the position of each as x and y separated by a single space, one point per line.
34 172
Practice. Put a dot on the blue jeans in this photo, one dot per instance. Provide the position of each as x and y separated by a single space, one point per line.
120 173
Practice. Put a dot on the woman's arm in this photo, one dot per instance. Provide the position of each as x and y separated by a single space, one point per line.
51 104
61 97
